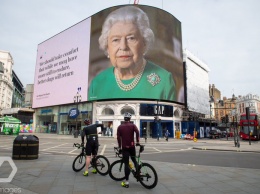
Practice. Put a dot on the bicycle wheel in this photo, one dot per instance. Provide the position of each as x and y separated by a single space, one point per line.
148 176
79 163
102 165
117 170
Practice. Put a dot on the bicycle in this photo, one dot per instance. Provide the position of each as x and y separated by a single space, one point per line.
145 173
100 162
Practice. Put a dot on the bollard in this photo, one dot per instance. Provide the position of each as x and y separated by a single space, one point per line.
76 134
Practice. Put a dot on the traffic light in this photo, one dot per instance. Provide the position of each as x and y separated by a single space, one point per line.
223 119
190 117
247 113
157 119
227 119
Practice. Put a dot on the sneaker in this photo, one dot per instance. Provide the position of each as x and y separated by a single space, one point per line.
124 184
85 173
94 171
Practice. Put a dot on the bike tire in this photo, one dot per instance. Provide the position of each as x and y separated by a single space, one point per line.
79 163
102 165
148 176
117 170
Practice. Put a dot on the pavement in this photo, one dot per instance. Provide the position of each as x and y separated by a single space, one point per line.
53 174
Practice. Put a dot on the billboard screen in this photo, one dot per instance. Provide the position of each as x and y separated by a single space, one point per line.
123 52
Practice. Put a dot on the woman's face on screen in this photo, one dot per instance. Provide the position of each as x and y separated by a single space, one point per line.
125 45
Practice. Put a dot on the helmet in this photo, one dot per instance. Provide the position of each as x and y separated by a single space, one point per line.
87 121
127 115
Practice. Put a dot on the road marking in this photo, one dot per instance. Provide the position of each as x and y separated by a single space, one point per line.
4 146
46 143
54 147
103 150
73 150
157 150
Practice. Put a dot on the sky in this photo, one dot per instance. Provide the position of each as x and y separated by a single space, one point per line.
224 34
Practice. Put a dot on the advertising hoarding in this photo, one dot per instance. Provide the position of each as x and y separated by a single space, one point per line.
75 61
197 84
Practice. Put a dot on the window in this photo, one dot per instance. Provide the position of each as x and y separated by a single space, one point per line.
176 113
107 111
127 109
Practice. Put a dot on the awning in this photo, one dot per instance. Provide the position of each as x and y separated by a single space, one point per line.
9 119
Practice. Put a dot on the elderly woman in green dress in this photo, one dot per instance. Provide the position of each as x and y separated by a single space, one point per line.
125 38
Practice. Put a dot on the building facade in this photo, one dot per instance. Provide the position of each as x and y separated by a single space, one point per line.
6 80
214 92
197 84
18 92
225 110
152 117
250 100
57 119
28 96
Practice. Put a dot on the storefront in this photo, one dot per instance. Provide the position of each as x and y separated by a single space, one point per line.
151 118
151 129
56 119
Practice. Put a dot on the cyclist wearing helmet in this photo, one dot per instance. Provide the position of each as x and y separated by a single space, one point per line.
125 139
90 131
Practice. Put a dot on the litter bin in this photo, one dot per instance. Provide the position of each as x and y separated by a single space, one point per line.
26 147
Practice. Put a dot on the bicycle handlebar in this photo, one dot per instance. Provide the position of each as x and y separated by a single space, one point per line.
118 150
77 145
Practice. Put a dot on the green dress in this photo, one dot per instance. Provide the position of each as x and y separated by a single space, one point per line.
155 83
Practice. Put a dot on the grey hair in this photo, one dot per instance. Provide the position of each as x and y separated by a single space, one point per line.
126 14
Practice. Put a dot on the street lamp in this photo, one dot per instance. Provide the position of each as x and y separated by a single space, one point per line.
233 99
157 121
77 99
234 123
248 117
210 105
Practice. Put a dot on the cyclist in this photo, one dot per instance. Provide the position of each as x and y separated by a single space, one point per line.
90 131
125 139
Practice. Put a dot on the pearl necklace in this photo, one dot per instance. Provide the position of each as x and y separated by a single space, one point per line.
127 87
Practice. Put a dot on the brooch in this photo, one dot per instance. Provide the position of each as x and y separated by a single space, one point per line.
154 79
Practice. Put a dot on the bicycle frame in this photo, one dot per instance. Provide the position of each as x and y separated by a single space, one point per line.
83 153
136 173
98 162
144 172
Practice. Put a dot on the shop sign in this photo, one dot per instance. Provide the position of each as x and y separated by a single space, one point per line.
156 110
45 111
73 113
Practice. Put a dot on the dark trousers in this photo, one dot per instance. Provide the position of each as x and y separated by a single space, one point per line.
128 152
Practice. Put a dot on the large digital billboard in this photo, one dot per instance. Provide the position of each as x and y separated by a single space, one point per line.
123 52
